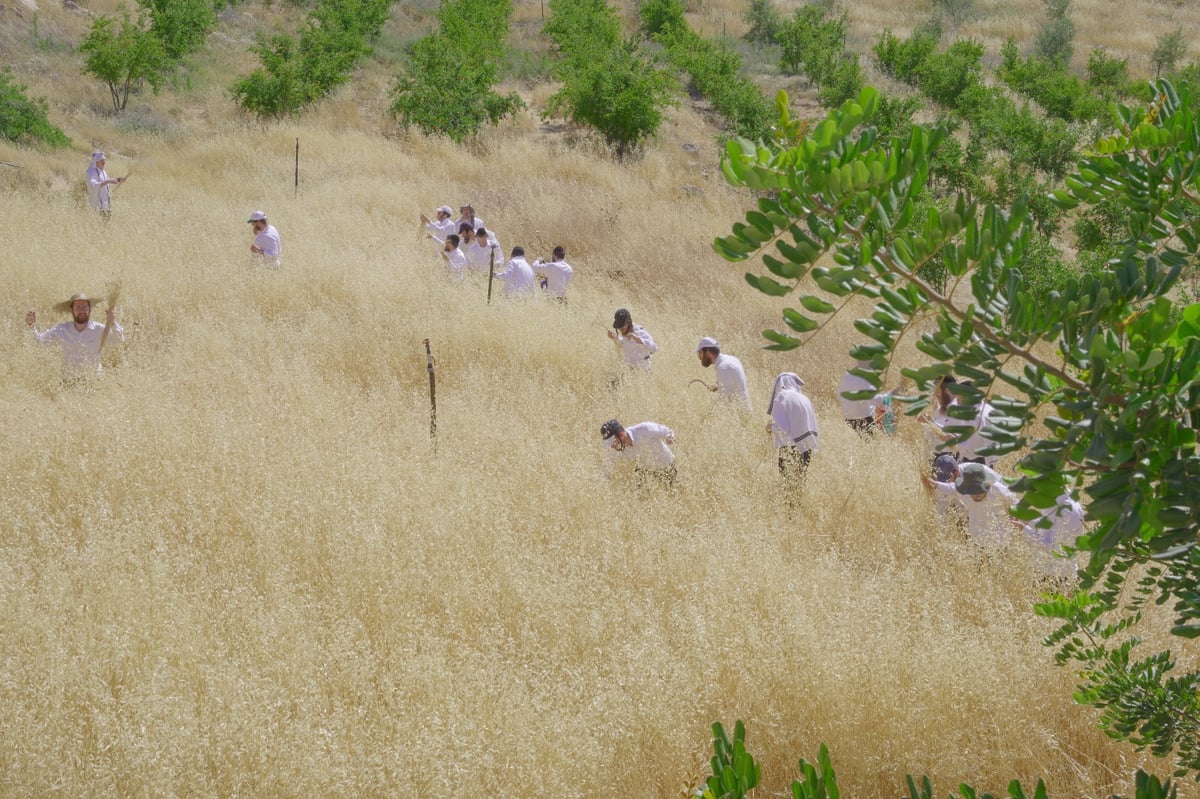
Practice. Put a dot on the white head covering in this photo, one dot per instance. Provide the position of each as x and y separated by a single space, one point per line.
784 381
98 155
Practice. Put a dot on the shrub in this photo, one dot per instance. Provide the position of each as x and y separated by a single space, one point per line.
902 58
844 83
812 44
765 22
1168 50
609 84
1108 75
658 15
125 57
1057 91
620 93
1053 41
294 73
945 76
446 85
24 120
181 25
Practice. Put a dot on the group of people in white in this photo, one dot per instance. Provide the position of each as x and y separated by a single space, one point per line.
962 479
468 247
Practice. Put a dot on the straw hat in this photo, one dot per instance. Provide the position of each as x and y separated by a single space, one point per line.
65 305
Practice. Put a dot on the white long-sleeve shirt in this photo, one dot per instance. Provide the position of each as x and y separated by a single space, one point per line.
80 348
731 379
557 274
479 259
987 519
518 278
1066 524
969 449
441 227
637 353
268 242
649 447
793 421
456 263
855 409
98 192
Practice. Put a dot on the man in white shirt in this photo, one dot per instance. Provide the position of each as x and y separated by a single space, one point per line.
968 451
648 444
452 256
986 500
1064 524
794 424
442 226
555 273
81 338
859 414
466 214
517 276
480 252
266 248
99 184
635 343
731 378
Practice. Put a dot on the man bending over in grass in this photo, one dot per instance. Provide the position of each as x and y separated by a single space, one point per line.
648 444
266 247
81 338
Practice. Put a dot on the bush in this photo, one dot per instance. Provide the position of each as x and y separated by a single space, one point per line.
1057 91
812 44
1053 41
945 76
765 22
124 58
658 15
1107 75
1168 50
446 85
620 93
294 73
609 84
24 120
181 25
901 59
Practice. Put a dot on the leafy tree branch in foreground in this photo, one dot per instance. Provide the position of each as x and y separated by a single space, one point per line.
1108 364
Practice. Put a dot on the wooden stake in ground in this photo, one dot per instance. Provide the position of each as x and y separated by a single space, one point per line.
432 395
113 296
491 274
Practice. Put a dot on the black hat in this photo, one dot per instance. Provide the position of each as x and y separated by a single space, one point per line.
610 429
621 319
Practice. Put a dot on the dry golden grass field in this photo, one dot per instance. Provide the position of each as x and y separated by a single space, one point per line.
239 567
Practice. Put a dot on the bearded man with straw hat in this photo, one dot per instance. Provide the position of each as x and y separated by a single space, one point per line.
81 338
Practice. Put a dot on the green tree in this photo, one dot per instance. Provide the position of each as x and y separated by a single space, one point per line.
1096 385
656 15
1168 50
621 93
764 21
1054 41
24 120
181 25
124 56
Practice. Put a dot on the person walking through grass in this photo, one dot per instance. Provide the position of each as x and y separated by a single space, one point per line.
555 274
648 445
731 377
483 248
442 226
984 497
99 184
80 339
794 425
266 248
517 276
635 343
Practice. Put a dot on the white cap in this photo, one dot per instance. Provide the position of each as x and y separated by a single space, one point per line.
445 209
257 216
707 342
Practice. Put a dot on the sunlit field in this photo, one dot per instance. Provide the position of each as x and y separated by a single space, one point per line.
240 565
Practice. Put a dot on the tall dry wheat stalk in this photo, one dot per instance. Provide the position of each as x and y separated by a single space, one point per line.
239 568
